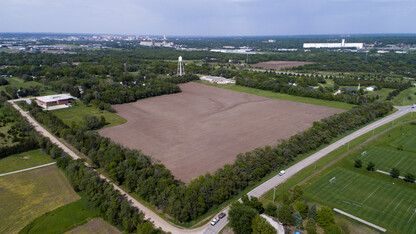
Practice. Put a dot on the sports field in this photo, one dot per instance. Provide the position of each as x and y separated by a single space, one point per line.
203 128
374 197
27 195
377 200
384 153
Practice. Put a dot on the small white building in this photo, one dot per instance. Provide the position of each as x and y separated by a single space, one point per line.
53 100
370 88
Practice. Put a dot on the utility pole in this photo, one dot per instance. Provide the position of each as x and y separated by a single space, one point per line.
274 193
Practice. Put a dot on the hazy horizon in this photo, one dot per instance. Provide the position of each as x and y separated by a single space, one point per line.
210 18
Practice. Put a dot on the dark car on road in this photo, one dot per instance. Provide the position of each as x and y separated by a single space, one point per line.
222 215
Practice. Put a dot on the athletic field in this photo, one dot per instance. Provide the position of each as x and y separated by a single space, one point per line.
374 199
384 152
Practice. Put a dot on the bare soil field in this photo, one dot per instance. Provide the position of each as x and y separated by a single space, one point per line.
278 65
203 128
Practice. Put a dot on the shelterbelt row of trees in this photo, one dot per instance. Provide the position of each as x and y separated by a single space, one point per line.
397 86
281 86
113 206
155 184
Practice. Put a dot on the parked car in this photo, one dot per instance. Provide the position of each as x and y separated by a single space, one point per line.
281 173
222 215
214 221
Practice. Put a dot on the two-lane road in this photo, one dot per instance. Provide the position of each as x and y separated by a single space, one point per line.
257 192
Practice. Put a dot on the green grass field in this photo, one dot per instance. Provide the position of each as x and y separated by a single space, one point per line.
382 93
27 195
384 153
403 98
63 218
78 110
374 199
17 82
401 135
24 160
270 94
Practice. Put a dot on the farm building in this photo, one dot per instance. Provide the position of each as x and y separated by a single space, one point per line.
51 100
217 80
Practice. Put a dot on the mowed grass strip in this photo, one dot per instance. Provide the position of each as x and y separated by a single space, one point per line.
78 110
96 226
406 97
287 97
373 198
24 160
27 195
63 218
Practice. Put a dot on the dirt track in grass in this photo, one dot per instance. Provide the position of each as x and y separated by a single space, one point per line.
203 128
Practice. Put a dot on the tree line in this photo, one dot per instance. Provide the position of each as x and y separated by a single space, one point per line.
155 184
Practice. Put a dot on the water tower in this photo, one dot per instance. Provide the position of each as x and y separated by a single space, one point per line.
181 68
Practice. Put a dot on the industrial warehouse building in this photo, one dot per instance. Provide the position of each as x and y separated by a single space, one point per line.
217 80
52 100
334 45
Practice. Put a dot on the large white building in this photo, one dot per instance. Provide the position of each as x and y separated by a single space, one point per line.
334 45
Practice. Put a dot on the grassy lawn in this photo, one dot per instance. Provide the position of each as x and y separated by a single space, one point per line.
27 195
17 82
23 160
403 98
382 93
63 218
97 225
270 94
368 195
78 110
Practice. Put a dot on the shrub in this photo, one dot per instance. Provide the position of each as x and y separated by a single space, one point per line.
358 163
395 173
371 166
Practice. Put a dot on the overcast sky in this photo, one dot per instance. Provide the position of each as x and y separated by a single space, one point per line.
209 17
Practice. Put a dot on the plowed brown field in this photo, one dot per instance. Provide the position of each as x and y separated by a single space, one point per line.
203 128
278 65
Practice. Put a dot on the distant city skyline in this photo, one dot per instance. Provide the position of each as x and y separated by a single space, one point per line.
209 17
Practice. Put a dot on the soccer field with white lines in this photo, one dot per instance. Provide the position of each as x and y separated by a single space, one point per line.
391 206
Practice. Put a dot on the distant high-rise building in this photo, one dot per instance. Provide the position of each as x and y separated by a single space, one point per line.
164 37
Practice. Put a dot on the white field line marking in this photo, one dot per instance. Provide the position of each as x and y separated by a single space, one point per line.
28 169
370 195
342 189
392 201
399 161
360 220
397 205
411 217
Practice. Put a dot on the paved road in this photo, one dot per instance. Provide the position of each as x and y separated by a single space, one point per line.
273 182
257 192
28 169
149 214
